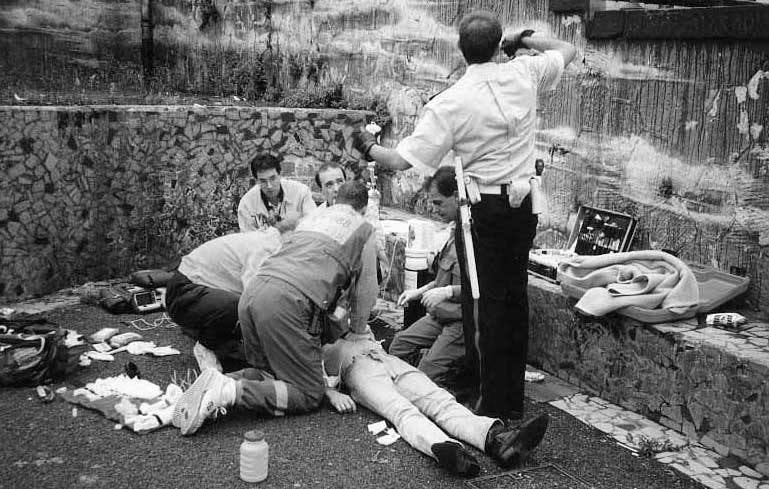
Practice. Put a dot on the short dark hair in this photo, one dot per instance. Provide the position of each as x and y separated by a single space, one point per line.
479 35
445 181
265 162
328 166
354 193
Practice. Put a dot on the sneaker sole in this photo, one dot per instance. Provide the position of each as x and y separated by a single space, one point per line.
187 416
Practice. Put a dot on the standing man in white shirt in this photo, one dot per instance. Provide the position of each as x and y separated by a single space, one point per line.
489 119
273 201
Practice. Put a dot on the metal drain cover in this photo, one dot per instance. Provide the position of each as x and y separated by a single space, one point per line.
542 477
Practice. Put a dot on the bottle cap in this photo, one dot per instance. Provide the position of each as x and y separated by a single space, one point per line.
254 435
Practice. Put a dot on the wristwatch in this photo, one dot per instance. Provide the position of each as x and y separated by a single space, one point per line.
526 33
509 47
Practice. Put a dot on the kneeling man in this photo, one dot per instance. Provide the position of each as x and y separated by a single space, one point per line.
202 296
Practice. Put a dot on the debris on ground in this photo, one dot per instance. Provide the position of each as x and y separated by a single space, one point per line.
378 427
45 393
103 335
534 376
132 402
390 437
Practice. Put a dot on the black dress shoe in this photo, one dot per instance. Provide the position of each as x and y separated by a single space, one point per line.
511 447
456 459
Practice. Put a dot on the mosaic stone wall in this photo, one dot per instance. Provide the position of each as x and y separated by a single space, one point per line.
94 192
705 382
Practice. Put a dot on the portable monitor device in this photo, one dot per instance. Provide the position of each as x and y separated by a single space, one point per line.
146 300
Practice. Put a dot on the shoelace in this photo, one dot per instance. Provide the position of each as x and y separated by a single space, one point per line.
220 411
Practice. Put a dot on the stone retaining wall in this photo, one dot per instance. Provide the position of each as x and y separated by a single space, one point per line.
705 382
98 191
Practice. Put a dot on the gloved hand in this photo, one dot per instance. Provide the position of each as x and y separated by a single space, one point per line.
408 296
435 296
363 141
512 42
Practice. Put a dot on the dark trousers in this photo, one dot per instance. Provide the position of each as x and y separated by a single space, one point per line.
496 351
209 316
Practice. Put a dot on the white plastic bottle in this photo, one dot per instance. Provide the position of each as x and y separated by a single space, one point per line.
254 455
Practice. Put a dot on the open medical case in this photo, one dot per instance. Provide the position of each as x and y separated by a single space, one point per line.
595 232
599 231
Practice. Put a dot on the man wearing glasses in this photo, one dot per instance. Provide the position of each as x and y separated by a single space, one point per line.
273 201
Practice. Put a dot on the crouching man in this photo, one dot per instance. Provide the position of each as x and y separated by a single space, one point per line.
202 296
425 415
331 250
440 330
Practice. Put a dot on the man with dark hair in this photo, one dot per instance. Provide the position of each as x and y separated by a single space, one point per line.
488 118
440 330
273 201
329 178
330 251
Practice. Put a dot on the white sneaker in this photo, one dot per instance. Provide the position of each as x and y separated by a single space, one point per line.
206 358
210 393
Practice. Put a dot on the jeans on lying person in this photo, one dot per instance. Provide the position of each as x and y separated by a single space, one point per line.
422 412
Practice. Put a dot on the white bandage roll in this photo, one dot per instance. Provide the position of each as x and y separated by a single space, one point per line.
538 200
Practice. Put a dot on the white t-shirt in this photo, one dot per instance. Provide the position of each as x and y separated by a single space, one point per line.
227 262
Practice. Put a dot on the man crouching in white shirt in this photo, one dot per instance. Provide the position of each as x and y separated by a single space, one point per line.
202 296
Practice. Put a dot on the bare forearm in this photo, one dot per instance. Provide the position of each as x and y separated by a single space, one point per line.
421 290
388 158
567 50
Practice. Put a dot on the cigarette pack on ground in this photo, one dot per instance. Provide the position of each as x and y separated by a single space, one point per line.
725 319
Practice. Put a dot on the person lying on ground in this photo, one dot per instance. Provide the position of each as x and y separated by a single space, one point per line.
331 250
440 330
202 296
425 415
